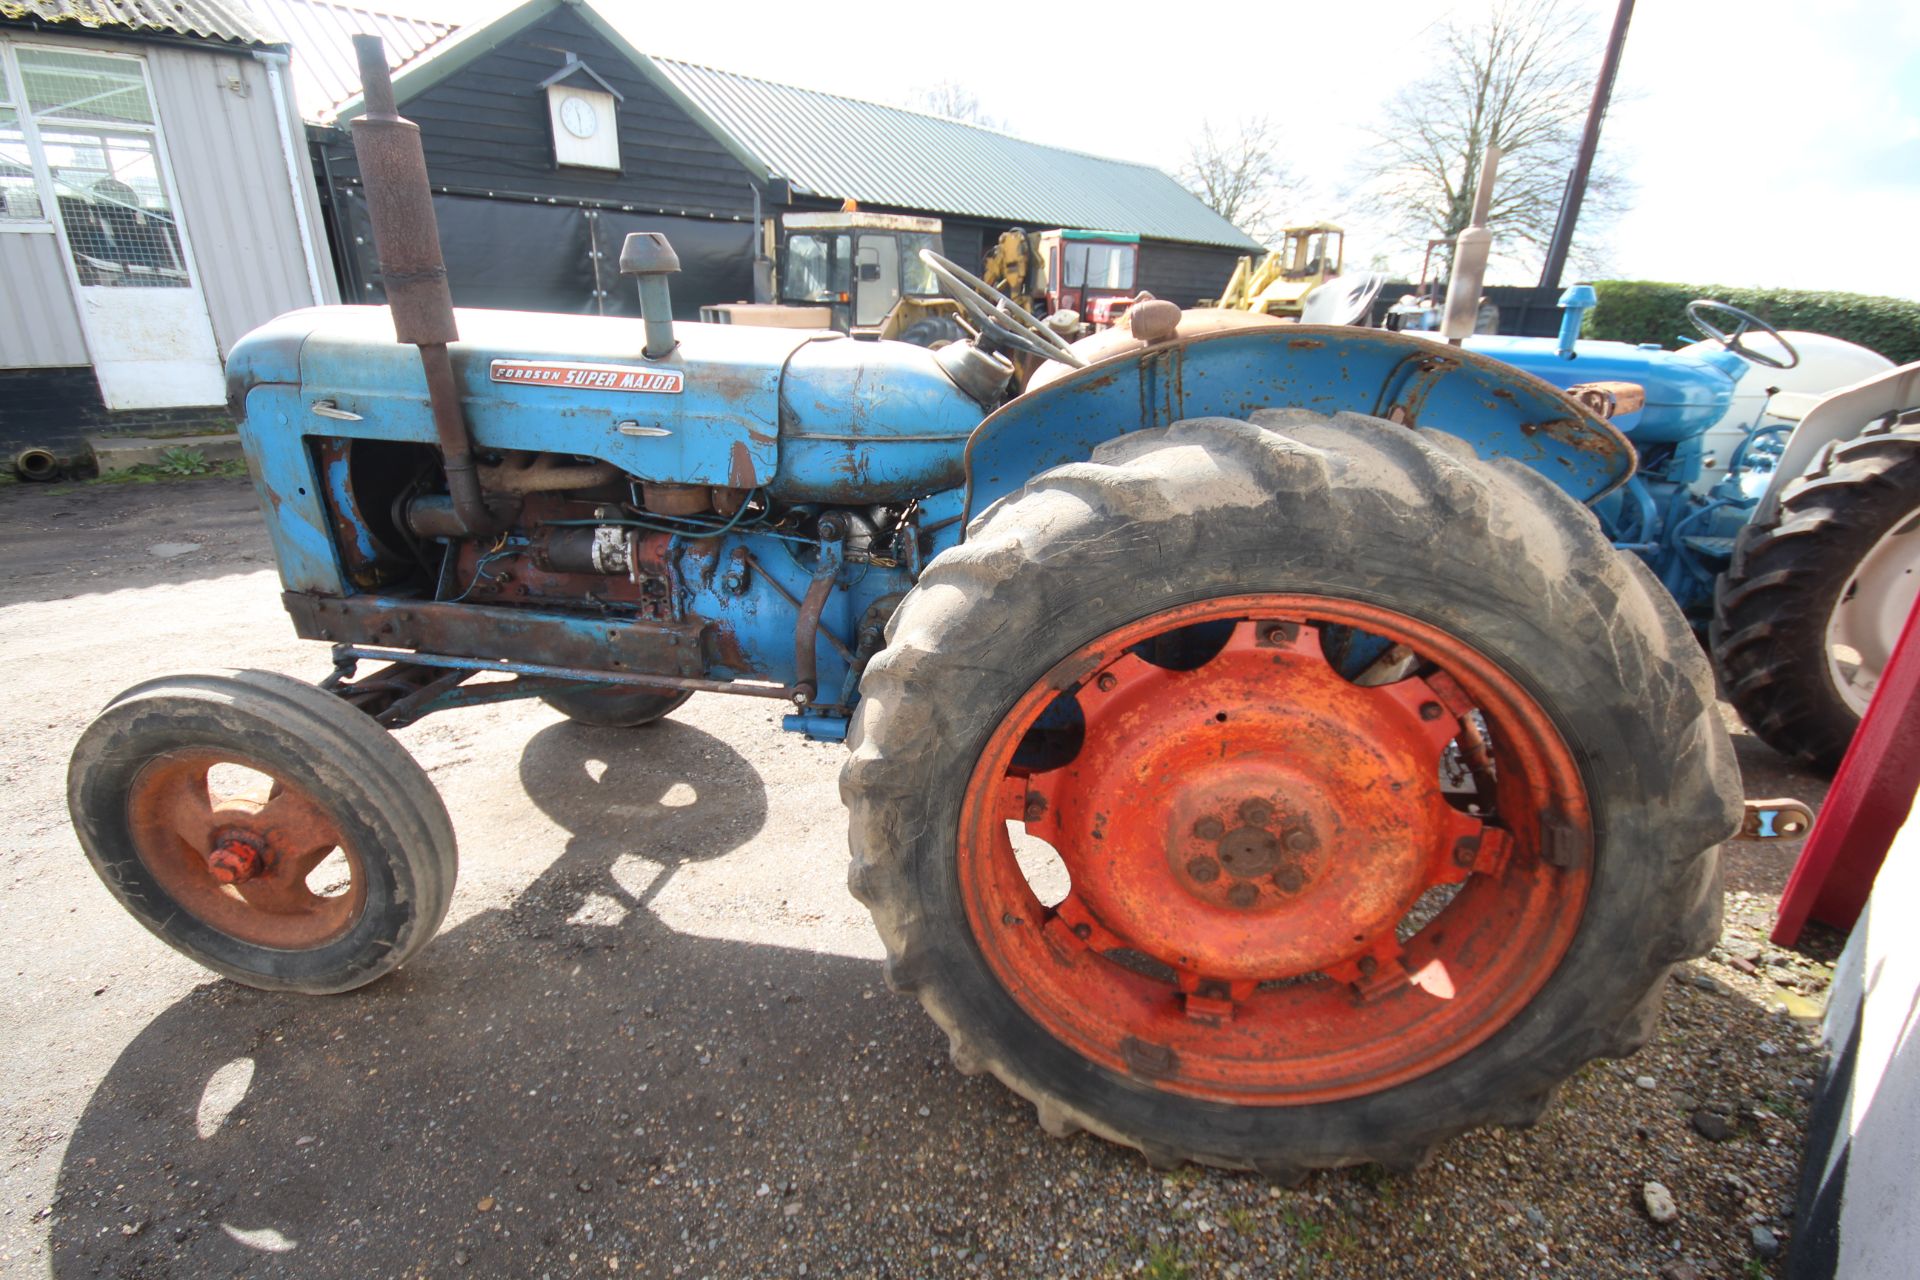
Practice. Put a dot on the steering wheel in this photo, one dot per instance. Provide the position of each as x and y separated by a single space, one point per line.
998 316
1700 308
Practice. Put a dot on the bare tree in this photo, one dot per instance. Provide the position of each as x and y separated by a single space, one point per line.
1239 175
953 100
1520 78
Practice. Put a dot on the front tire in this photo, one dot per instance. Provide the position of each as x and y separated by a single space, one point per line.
1806 617
1185 642
263 828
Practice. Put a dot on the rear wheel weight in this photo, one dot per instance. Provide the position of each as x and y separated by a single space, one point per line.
1215 1037
263 828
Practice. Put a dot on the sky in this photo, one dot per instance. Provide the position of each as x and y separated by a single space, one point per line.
1770 142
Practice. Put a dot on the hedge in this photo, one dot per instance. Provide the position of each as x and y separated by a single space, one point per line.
1651 311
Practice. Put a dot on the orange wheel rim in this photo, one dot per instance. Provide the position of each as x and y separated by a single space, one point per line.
240 859
1282 886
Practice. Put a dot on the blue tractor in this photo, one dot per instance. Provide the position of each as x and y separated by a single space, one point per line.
1786 524
1258 752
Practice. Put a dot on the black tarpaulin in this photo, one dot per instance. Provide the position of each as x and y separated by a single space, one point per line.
521 256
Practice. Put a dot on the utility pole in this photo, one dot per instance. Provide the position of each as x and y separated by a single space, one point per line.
1589 143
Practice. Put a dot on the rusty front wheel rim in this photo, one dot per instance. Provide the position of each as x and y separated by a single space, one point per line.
239 863
1215 942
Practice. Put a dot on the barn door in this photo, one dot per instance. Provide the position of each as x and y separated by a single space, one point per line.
141 305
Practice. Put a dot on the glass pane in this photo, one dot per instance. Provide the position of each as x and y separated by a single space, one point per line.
842 277
1110 266
916 278
19 193
84 86
1074 274
119 220
805 278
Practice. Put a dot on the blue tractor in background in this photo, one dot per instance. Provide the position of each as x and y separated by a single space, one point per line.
1258 753
1786 523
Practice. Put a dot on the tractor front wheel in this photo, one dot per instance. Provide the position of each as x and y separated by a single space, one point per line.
263 828
1288 794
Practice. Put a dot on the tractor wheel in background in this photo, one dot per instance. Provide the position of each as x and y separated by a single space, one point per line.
615 707
933 331
1288 794
1806 617
264 828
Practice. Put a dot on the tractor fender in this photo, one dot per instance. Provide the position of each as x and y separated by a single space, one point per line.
1233 372
1841 415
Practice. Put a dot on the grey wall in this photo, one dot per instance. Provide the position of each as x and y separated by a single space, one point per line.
39 321
221 127
221 123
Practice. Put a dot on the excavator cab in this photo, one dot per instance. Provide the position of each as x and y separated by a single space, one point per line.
860 266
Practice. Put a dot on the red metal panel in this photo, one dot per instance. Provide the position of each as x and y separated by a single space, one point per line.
1870 799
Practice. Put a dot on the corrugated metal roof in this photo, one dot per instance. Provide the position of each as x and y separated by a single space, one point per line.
840 148
227 20
326 71
824 144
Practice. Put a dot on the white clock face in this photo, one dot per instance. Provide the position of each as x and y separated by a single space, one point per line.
578 115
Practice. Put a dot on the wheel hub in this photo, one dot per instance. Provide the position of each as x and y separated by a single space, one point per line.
236 860
1294 812
239 860
1273 895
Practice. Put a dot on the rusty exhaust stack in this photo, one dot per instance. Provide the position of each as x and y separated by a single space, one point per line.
393 173
1470 260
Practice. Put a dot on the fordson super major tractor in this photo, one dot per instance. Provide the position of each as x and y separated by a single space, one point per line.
1375 790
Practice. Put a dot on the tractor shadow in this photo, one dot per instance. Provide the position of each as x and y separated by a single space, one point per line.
564 1085
556 1080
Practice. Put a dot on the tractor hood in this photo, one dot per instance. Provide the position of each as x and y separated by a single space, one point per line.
706 413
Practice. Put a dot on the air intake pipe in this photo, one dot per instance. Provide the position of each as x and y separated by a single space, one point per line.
647 256
393 173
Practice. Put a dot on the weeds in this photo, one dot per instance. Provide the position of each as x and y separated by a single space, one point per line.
1164 1263
182 461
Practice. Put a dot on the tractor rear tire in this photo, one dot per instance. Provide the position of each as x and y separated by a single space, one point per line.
1305 519
1775 609
614 707
211 803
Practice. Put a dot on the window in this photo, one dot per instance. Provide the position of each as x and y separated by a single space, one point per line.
818 268
916 278
20 200
1097 266
99 159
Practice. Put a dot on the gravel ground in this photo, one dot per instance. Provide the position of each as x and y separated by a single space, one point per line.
653 1037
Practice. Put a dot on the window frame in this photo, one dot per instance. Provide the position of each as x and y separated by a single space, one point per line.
16 92
43 170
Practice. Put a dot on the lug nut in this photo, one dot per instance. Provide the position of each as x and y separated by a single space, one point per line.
1203 869
1106 682
1430 711
1243 895
1209 828
1290 879
1299 840
1256 813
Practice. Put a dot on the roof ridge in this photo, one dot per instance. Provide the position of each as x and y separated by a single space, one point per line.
910 111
